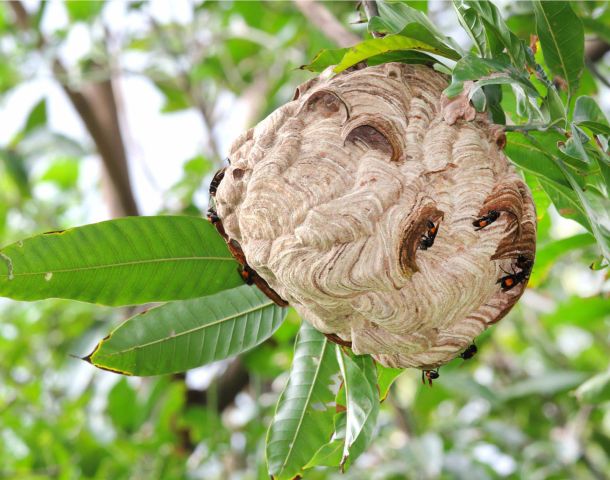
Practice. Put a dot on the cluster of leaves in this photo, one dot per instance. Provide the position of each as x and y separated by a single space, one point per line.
330 408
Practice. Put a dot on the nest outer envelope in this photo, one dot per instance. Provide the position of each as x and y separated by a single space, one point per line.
330 195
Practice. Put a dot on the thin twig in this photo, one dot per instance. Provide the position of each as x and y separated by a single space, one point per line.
372 10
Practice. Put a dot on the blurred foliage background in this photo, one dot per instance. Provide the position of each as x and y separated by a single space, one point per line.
116 108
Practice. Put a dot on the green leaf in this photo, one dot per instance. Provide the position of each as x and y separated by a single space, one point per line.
599 263
14 164
589 313
125 261
406 56
562 40
587 109
549 383
305 410
597 208
389 43
360 381
123 407
533 158
325 59
595 390
554 107
63 172
566 202
176 99
474 26
330 454
385 379
547 255
409 22
83 11
487 72
498 34
588 114
537 153
186 334
37 117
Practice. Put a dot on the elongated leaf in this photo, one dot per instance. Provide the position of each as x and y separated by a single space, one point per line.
547 384
360 381
547 255
588 114
186 334
385 379
120 262
487 72
330 454
562 39
325 59
409 22
596 207
554 108
589 313
587 109
533 158
474 26
305 410
389 43
405 56
595 390
499 35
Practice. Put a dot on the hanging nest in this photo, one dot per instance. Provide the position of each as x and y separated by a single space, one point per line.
384 213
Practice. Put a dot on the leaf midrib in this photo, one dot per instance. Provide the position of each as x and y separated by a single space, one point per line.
559 54
185 332
307 400
116 265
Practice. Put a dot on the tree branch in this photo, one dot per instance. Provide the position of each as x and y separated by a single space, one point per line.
371 10
595 49
322 18
96 105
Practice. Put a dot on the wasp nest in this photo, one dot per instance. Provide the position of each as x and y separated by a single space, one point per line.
386 215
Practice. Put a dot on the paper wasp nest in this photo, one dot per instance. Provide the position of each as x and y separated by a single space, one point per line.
383 218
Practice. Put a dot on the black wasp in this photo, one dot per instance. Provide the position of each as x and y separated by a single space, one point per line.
509 281
486 220
427 240
216 181
430 375
470 352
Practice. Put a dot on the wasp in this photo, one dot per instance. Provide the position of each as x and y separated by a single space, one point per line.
470 352
213 216
524 263
216 181
427 240
486 220
247 274
430 375
510 280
